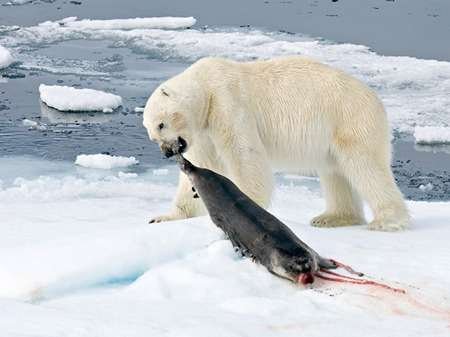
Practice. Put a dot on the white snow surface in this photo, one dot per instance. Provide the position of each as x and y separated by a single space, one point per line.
104 161
77 258
5 57
432 135
66 98
414 91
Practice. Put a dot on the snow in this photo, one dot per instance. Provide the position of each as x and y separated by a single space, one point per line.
414 91
76 249
136 23
432 135
5 57
66 98
104 161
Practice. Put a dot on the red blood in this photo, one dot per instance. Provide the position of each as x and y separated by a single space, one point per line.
306 278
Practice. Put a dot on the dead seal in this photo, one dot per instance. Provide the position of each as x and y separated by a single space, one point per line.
258 234
252 230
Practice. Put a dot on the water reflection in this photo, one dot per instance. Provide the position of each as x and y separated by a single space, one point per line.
435 148
55 116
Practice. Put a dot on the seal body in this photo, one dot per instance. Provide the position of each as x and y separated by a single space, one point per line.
254 231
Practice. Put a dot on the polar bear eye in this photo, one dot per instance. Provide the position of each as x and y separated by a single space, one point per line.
161 126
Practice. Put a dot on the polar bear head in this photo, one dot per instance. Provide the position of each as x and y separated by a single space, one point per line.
174 113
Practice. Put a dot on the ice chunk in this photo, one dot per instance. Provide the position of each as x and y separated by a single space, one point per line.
432 134
33 124
136 23
126 175
139 109
65 98
160 172
17 2
104 161
426 188
5 57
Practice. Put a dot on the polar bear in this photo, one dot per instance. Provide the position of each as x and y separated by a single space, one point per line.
246 119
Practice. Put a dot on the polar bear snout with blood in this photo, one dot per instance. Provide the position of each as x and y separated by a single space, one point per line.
246 119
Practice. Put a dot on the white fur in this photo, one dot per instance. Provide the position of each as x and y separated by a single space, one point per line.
292 114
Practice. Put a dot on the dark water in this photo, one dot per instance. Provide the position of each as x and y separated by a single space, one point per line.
418 28
396 28
69 134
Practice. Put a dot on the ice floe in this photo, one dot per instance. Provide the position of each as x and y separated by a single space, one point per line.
104 161
30 124
79 247
127 24
432 135
66 98
5 57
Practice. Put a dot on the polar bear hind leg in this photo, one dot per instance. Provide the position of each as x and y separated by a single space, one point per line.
344 207
370 174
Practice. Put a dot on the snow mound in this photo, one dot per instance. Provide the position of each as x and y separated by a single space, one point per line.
432 135
104 161
65 98
5 57
127 24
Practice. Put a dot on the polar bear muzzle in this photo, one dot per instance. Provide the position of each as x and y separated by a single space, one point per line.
178 146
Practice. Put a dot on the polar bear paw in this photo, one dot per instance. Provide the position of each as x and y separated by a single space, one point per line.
388 225
335 220
163 218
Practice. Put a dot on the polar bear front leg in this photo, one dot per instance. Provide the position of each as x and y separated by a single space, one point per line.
185 205
343 205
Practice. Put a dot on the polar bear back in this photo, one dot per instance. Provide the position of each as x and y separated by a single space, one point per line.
300 108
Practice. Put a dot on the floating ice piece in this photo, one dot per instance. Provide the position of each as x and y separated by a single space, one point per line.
426 188
160 172
65 98
139 109
167 22
17 2
104 161
125 175
5 58
432 134
33 124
